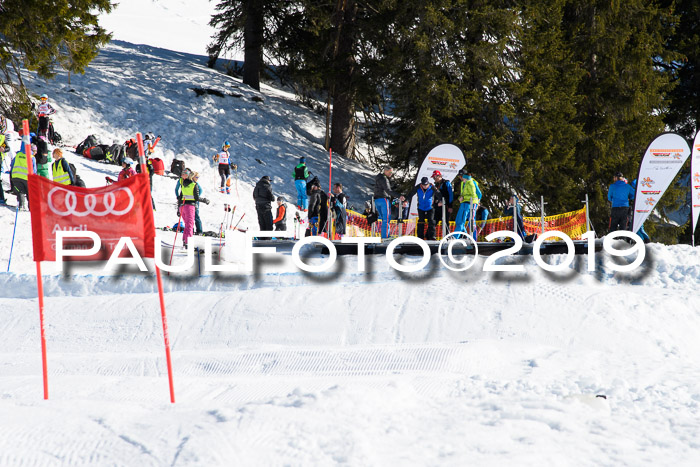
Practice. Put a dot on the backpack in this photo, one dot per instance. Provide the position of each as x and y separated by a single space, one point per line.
90 141
158 166
314 181
131 149
115 154
95 153
177 167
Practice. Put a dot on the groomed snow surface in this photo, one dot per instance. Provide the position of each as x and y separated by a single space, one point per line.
287 368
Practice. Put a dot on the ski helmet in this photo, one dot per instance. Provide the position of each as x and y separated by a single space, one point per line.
436 173
44 96
226 145
128 162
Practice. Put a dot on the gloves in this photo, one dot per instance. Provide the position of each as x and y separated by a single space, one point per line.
179 214
204 200
234 166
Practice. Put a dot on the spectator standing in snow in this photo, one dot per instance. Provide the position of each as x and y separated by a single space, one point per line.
382 198
187 201
619 194
427 194
262 194
19 174
301 174
61 170
447 196
280 221
513 210
318 202
339 205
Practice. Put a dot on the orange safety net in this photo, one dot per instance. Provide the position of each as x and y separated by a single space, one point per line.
571 223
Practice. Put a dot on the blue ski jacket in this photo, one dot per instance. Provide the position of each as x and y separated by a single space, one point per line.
620 194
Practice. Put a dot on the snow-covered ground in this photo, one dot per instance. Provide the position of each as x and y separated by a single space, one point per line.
286 368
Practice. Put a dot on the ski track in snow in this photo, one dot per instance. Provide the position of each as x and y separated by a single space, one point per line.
284 367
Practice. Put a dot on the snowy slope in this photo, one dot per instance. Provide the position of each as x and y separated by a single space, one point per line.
285 368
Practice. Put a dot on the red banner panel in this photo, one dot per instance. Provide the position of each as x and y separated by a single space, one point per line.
122 209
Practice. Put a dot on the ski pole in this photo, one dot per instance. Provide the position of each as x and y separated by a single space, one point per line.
232 215
14 229
179 215
239 221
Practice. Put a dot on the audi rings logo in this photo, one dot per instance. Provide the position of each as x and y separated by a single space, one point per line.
65 203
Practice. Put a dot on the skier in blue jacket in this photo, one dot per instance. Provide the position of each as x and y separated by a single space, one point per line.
619 194
427 194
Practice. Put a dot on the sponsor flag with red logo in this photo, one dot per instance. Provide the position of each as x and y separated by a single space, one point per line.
662 161
695 185
122 209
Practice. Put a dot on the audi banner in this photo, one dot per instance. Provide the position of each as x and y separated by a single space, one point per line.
122 209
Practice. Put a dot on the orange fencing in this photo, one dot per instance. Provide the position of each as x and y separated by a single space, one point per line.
571 223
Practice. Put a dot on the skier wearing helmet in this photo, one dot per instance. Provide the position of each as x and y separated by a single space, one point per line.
43 112
225 166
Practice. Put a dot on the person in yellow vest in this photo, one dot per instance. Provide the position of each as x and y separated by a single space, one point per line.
469 197
19 174
60 169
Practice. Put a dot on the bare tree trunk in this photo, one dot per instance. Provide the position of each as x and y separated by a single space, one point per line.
343 122
253 43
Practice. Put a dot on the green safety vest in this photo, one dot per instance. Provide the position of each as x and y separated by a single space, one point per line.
468 191
59 174
19 170
188 192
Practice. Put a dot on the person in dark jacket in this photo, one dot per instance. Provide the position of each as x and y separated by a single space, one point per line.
427 194
447 193
382 197
280 221
619 194
318 206
187 201
339 204
262 193
301 174
513 210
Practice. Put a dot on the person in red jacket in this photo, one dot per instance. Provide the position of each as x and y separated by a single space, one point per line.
280 221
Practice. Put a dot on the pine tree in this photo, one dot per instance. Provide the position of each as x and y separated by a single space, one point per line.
41 37
622 92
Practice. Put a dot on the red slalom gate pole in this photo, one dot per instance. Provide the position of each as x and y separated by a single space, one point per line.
39 280
161 296
330 170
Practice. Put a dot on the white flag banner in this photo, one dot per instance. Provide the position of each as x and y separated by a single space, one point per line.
661 163
447 158
695 183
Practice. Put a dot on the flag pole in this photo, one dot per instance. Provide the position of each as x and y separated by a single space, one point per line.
166 337
39 281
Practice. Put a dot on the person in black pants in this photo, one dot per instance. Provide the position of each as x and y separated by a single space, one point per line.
263 203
